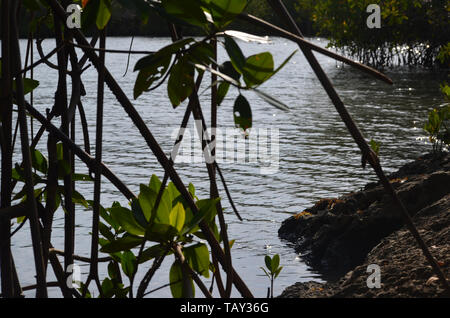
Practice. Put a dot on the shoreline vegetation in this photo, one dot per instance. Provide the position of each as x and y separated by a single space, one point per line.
341 237
412 33
125 22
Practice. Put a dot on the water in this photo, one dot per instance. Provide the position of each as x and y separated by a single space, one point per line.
318 158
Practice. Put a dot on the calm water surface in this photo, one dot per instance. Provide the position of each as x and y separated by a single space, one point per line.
317 156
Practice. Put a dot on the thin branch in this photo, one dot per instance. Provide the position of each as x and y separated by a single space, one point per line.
129 56
93 271
6 164
161 287
85 128
149 275
31 202
81 258
225 187
89 47
42 60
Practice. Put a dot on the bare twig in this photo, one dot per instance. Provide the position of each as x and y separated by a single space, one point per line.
81 258
31 202
6 112
93 272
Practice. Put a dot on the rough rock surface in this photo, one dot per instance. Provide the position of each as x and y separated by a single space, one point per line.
345 235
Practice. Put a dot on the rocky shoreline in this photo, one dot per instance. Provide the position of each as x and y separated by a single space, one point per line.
340 237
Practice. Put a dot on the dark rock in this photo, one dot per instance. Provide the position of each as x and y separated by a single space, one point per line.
345 235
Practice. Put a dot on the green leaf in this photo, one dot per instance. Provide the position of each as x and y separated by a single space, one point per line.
234 52
186 10
181 82
155 183
208 207
38 160
191 222
78 198
228 69
152 252
138 213
201 53
445 89
271 100
375 146
18 173
172 192
275 262
150 60
155 68
161 233
265 272
268 262
284 63
114 271
165 206
198 258
177 217
59 151
89 14
180 285
242 113
126 220
222 92
29 85
176 280
207 211
20 194
121 244
64 169
103 14
107 217
147 199
107 288
191 189
258 68
277 272
105 231
213 71
224 11
128 263
21 219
